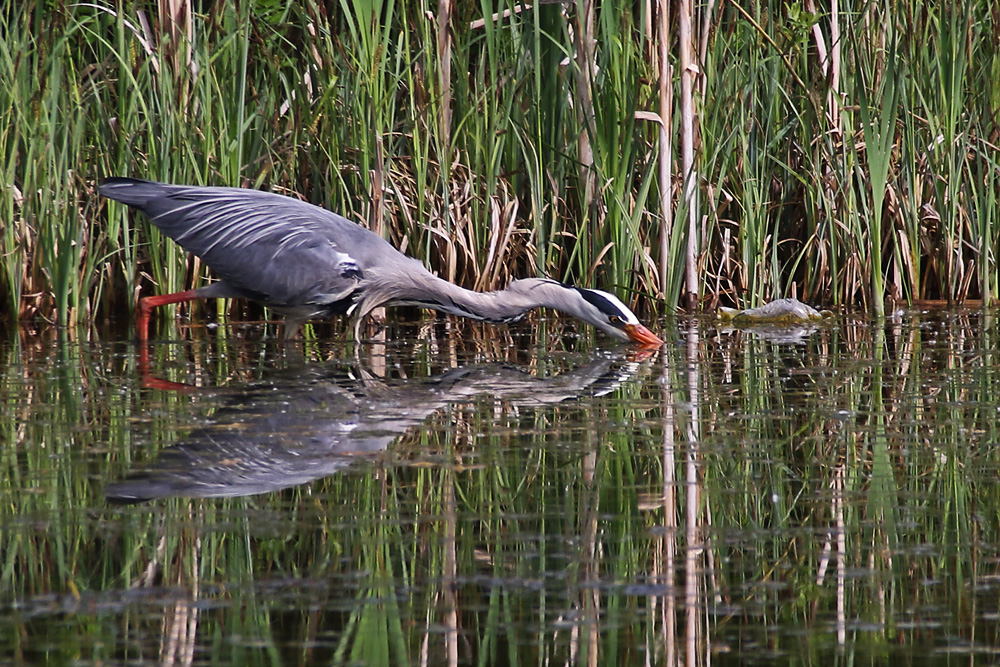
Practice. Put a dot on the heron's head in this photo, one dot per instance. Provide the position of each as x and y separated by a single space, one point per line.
601 309
606 312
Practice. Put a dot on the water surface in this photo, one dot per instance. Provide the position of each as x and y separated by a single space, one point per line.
470 495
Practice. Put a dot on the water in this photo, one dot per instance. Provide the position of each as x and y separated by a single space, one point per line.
505 496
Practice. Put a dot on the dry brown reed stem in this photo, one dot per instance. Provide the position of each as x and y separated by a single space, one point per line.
584 38
177 35
666 95
829 59
704 43
444 61
688 70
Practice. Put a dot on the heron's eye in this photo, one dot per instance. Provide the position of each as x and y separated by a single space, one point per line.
615 320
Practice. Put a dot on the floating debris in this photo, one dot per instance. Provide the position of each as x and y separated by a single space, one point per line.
783 312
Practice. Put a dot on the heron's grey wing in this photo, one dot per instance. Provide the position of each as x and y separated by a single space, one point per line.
272 248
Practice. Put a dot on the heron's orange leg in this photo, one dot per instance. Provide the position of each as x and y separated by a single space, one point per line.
147 304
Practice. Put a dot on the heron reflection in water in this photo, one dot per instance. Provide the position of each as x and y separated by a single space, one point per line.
296 429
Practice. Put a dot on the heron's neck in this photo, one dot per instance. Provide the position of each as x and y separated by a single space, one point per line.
509 305
501 306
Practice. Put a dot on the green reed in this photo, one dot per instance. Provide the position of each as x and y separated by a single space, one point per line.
496 149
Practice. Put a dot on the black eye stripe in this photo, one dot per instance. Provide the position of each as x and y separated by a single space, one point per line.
601 303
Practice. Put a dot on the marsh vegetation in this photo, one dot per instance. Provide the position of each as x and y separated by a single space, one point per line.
844 154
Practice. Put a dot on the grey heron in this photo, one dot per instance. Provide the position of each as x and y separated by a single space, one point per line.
305 262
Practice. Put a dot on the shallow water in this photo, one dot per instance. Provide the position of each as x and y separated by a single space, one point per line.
505 496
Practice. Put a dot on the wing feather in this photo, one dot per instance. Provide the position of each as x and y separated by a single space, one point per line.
274 248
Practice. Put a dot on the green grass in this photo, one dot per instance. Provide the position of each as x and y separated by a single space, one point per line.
479 165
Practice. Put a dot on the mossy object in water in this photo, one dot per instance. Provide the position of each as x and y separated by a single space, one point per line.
781 312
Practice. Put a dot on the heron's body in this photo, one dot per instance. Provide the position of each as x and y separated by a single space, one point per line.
306 262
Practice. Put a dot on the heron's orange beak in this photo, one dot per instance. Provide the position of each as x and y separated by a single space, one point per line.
640 334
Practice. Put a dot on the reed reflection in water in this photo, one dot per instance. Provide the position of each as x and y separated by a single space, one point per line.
737 498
